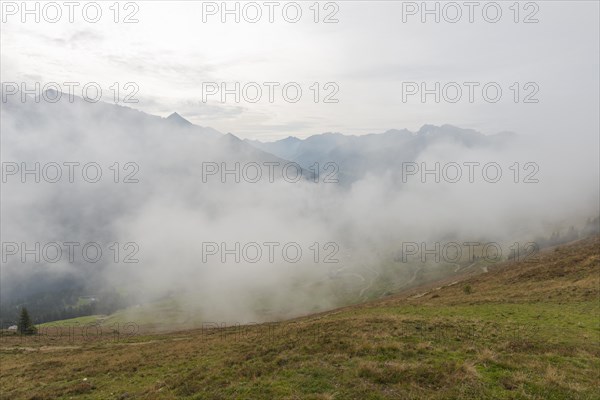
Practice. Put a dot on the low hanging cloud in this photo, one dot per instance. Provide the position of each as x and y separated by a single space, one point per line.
177 213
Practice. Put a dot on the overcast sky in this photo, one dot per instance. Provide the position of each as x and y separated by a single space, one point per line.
368 54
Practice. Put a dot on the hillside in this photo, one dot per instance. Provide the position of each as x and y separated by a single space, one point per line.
526 330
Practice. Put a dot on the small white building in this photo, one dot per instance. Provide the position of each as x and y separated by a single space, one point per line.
13 328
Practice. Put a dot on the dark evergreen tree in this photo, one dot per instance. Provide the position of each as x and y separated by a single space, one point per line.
25 326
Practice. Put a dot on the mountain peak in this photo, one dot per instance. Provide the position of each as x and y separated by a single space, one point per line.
427 128
231 136
178 119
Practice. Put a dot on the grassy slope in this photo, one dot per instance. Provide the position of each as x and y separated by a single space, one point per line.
527 330
155 316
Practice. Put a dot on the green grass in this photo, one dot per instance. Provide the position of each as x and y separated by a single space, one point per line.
526 331
88 319
393 352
